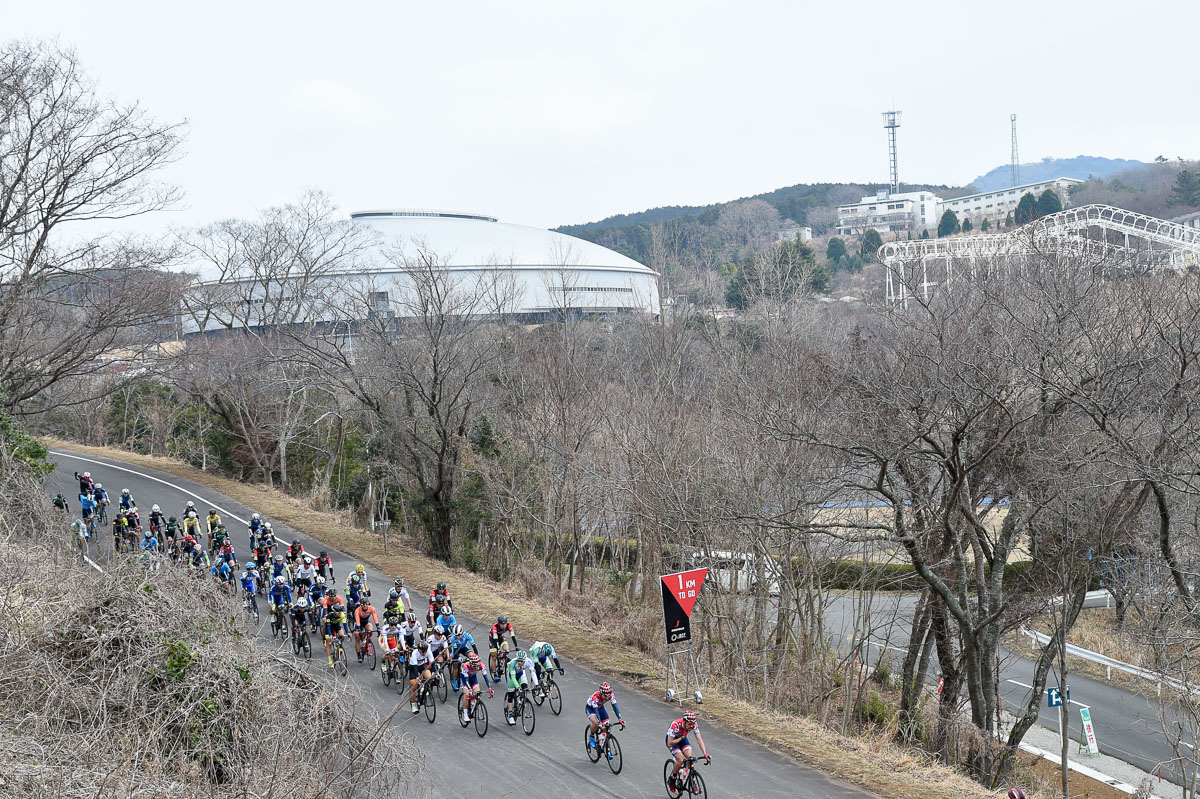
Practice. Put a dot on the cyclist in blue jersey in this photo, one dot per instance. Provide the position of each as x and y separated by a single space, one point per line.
462 643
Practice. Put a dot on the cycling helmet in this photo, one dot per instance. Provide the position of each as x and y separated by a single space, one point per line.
87 474
458 631
324 554
441 586
399 580
422 646
446 611
320 580
307 560
212 511
146 534
440 630
412 617
280 580
155 508
502 619
355 579
191 504
1016 793
364 602
255 516
251 566
605 689
295 542
360 569
390 619
279 558
302 603
172 519
393 594
689 718
98 485
191 514
473 657
267 525
124 490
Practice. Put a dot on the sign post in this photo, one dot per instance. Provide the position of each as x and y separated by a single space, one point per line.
1089 732
679 593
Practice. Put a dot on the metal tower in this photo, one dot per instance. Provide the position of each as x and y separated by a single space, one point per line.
891 121
1014 170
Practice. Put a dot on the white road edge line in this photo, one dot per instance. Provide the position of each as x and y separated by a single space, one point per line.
181 489
93 564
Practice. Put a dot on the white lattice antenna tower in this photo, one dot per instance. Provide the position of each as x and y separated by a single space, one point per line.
891 121
1014 170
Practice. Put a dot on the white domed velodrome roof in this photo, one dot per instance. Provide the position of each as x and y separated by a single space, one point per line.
462 240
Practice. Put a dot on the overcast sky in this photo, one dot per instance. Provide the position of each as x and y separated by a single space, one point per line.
561 112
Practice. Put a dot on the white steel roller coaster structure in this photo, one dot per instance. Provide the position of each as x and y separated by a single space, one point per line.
916 269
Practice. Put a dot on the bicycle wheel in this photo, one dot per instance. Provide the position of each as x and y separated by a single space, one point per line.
527 718
369 656
430 705
593 752
442 687
385 673
306 646
274 625
696 785
296 645
670 764
480 714
555 699
254 613
463 699
612 750
538 696
339 659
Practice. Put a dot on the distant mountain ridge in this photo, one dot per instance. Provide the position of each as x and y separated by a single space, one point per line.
1081 166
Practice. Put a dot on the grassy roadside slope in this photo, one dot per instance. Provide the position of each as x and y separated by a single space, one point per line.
871 763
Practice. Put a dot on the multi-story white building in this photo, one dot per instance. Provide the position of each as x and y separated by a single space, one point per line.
922 210
997 204
887 212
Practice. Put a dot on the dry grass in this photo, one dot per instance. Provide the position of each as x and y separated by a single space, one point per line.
870 761
1095 629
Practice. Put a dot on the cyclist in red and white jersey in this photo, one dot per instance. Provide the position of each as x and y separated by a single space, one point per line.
595 709
678 744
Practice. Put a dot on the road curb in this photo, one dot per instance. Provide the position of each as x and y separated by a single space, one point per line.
1086 771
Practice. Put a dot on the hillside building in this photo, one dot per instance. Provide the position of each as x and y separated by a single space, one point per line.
996 205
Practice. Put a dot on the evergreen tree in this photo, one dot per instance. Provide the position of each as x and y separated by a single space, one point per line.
835 249
966 225
1186 190
1008 220
985 225
1026 209
871 242
948 225
925 233
1048 203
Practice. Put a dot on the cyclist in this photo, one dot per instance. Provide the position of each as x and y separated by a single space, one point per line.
678 744
542 653
171 529
594 708
393 606
280 569
61 503
266 538
190 507
295 551
497 636
399 588
149 542
226 555
360 571
80 531
418 667
410 628
366 621
439 644
198 558
250 578
305 571
85 483
157 520
212 520
438 597
222 572
391 640
120 526
127 500
472 668
219 537
254 526
86 506
325 565
520 675
191 524
446 619
299 615
356 590
319 590
100 495
336 623
461 644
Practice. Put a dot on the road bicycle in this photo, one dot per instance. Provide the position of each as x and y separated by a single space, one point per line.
279 620
366 651
548 689
604 743
339 655
426 699
441 686
103 514
301 644
690 782
523 709
476 711
250 603
389 669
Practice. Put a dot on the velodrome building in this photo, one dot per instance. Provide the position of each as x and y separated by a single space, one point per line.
515 272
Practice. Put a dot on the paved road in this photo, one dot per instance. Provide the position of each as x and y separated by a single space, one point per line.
551 762
1127 724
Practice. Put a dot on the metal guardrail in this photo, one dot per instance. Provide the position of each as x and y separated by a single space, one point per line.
1104 660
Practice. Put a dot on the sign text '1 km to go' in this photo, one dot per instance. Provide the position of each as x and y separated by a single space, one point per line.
679 592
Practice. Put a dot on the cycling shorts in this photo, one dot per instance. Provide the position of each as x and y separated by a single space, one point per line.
471 679
598 712
679 747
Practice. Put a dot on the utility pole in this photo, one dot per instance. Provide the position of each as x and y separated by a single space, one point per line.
1014 169
891 121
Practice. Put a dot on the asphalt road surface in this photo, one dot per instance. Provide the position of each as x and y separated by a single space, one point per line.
506 762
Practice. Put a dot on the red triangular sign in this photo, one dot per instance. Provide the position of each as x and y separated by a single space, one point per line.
685 587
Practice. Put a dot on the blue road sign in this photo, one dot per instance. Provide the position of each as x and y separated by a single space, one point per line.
1054 697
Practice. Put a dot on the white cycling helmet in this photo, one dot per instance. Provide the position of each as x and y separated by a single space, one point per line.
98 485
267 525
155 508
87 474
280 580
124 490
255 516
302 603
